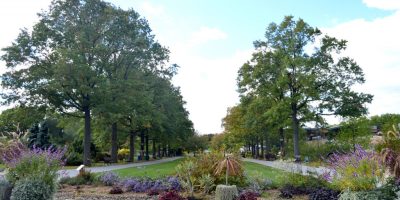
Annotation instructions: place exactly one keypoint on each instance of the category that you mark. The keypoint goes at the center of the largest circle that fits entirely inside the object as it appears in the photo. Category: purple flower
(109, 178)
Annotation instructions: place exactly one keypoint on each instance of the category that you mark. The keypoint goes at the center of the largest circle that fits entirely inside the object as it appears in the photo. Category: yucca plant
(231, 165)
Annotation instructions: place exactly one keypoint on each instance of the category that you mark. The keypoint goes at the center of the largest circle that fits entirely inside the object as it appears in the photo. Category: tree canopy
(299, 84)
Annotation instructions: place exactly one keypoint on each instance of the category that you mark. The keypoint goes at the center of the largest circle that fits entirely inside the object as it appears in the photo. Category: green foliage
(355, 131)
(298, 180)
(123, 153)
(318, 150)
(383, 193)
(35, 166)
(385, 122)
(83, 178)
(206, 183)
(32, 189)
(185, 174)
(230, 166)
(297, 84)
(39, 136)
(5, 189)
(225, 192)
(20, 118)
(258, 182)
(359, 170)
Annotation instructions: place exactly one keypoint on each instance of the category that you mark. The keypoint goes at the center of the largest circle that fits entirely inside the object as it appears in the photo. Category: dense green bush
(386, 192)
(5, 189)
(74, 159)
(32, 189)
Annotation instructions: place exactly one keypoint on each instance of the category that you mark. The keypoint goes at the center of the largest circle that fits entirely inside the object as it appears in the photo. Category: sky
(211, 39)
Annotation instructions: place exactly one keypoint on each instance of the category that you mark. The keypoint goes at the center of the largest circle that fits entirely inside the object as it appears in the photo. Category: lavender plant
(149, 185)
(359, 170)
(109, 178)
(35, 163)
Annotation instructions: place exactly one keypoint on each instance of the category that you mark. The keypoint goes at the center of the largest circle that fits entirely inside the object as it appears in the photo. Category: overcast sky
(211, 39)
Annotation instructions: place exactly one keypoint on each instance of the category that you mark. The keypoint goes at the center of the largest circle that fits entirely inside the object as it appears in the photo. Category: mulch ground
(88, 192)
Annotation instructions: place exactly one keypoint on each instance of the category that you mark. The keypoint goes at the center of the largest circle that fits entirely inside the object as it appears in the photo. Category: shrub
(170, 195)
(123, 154)
(32, 189)
(258, 182)
(185, 173)
(36, 163)
(129, 184)
(109, 178)
(357, 171)
(146, 184)
(206, 183)
(324, 194)
(116, 190)
(74, 159)
(153, 192)
(299, 180)
(248, 195)
(173, 183)
(83, 178)
(288, 191)
(229, 166)
(367, 195)
(5, 189)
(86, 177)
(225, 192)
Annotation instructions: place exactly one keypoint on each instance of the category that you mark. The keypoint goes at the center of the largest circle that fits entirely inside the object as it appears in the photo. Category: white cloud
(206, 34)
(383, 4)
(375, 46)
(208, 86)
(152, 10)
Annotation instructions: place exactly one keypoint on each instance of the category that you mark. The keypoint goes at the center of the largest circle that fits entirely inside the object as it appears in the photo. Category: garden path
(74, 172)
(291, 167)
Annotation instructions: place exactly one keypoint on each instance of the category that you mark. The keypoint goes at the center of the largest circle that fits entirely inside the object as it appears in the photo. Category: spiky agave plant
(231, 165)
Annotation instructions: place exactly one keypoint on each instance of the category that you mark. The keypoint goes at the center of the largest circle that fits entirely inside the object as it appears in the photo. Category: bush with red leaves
(248, 195)
(171, 195)
(116, 190)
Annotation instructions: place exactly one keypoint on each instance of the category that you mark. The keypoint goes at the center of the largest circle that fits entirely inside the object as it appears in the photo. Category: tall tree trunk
(282, 140)
(87, 139)
(147, 146)
(114, 143)
(141, 145)
(295, 124)
(257, 148)
(159, 150)
(262, 149)
(154, 149)
(132, 138)
(164, 151)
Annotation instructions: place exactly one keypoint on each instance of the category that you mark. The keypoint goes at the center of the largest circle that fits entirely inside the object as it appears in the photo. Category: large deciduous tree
(303, 76)
(77, 51)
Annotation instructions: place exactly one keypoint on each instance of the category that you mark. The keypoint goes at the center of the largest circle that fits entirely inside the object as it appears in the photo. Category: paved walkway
(291, 167)
(74, 172)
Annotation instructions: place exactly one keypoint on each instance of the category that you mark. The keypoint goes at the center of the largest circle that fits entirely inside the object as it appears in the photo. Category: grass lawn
(152, 171)
(277, 176)
(168, 169)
